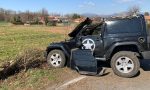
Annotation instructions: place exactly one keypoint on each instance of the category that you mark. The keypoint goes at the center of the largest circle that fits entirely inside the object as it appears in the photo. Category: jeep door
(92, 39)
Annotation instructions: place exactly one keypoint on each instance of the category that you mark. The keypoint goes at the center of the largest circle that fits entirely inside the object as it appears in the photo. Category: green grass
(3, 23)
(15, 39)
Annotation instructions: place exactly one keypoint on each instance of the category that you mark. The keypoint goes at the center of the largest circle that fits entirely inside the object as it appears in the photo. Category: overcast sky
(76, 6)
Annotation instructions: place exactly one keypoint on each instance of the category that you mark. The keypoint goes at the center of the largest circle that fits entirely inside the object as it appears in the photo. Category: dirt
(62, 78)
(113, 82)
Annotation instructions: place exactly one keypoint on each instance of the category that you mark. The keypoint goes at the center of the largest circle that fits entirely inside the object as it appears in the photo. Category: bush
(148, 25)
(17, 21)
(52, 23)
(148, 29)
(30, 58)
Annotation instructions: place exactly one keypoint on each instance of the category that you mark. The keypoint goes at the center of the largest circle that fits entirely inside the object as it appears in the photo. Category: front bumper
(146, 54)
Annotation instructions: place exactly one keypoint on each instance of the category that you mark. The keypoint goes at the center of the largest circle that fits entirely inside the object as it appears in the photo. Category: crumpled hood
(79, 27)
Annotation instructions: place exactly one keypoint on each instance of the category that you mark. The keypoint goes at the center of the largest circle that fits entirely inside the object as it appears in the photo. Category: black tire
(135, 62)
(62, 56)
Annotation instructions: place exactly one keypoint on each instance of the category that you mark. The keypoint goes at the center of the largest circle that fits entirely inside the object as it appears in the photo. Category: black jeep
(122, 41)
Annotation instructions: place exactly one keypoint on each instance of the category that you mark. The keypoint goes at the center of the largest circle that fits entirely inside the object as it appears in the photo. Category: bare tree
(134, 10)
(28, 16)
(2, 14)
(44, 14)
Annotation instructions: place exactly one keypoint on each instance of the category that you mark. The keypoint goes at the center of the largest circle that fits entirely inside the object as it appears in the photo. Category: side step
(100, 59)
(87, 73)
(99, 72)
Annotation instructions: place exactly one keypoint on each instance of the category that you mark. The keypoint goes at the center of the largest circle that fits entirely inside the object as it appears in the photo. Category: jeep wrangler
(121, 41)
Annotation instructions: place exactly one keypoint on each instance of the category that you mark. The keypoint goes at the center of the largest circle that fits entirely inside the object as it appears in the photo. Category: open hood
(79, 27)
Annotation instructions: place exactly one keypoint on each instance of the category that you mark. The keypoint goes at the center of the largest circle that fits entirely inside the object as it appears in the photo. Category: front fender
(59, 46)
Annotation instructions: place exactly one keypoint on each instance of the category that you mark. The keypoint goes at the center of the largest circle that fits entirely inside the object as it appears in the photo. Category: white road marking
(71, 82)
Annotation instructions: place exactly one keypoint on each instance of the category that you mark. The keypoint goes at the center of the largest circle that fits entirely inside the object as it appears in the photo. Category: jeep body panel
(146, 54)
(83, 61)
(124, 32)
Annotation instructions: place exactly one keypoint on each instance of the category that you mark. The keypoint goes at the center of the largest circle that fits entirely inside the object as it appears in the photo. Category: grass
(16, 39)
(3, 23)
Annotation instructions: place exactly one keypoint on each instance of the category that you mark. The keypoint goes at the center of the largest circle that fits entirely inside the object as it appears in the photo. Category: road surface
(112, 82)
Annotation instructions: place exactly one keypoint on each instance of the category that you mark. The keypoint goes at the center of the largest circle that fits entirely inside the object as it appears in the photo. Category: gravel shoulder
(113, 82)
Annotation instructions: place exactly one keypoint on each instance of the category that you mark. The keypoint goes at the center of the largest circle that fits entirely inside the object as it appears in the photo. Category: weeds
(31, 58)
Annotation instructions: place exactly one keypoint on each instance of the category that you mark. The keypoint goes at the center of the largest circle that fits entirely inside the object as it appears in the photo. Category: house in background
(50, 18)
(147, 18)
(79, 20)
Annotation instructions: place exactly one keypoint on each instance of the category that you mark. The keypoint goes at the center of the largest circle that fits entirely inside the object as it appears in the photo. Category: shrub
(148, 25)
(52, 23)
(31, 58)
(17, 20)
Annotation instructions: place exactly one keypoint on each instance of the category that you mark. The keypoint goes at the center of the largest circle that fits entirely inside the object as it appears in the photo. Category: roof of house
(79, 19)
(147, 17)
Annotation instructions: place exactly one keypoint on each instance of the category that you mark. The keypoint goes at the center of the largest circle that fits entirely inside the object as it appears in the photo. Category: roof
(147, 17)
(123, 18)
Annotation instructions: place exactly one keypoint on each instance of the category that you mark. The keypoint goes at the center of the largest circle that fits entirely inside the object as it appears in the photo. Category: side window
(124, 26)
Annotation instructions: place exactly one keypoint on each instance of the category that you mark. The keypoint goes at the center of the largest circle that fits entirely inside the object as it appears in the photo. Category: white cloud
(138, 2)
(87, 4)
(127, 0)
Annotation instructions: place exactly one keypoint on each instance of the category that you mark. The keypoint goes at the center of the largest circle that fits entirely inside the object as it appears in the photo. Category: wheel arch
(125, 46)
(58, 47)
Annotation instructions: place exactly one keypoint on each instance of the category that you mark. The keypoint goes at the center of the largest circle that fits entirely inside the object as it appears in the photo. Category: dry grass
(29, 71)
(31, 58)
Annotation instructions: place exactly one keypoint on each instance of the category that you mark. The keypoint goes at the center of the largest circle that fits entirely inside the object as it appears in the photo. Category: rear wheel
(125, 64)
(56, 59)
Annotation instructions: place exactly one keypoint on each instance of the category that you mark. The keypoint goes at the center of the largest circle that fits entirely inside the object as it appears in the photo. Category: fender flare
(58, 46)
(111, 49)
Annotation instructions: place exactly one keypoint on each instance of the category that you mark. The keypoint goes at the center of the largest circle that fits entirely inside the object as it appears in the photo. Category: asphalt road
(113, 82)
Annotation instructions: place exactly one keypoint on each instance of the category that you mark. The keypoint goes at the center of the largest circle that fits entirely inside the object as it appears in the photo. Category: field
(15, 39)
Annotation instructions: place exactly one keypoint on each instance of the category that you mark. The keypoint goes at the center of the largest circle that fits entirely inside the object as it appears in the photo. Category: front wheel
(125, 64)
(56, 59)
